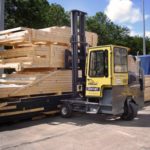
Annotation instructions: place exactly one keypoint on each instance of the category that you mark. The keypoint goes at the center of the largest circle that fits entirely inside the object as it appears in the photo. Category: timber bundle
(36, 57)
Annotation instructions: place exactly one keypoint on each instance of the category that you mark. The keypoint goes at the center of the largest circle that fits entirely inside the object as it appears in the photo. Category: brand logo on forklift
(92, 89)
(91, 82)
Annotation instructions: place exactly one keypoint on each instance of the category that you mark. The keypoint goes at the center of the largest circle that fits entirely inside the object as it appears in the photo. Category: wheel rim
(64, 111)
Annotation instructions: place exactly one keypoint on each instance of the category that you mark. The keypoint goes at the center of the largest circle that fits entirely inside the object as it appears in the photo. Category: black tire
(130, 111)
(135, 109)
(66, 110)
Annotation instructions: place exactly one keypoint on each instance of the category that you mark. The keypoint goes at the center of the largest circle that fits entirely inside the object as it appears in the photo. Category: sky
(127, 13)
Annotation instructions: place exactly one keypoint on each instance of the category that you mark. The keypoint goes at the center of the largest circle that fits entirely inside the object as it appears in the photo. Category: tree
(108, 32)
(34, 14)
(26, 13)
(58, 16)
(148, 45)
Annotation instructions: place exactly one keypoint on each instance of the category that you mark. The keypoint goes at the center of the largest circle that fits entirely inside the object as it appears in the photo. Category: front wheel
(66, 110)
(130, 110)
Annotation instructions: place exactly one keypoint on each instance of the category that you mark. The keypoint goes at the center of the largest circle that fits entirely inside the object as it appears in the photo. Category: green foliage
(58, 16)
(34, 14)
(26, 13)
(148, 45)
(135, 43)
(108, 32)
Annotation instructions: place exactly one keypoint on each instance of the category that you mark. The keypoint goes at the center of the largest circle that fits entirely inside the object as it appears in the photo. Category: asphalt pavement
(81, 132)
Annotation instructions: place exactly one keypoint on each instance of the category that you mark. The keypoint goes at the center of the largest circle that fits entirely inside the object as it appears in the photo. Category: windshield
(120, 60)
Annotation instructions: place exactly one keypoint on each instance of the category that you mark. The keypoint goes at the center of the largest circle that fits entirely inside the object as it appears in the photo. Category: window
(120, 60)
(98, 61)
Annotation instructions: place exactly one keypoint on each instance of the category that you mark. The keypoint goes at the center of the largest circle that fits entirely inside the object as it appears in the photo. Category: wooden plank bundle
(35, 83)
(91, 37)
(18, 87)
(133, 66)
(57, 35)
(147, 88)
(38, 56)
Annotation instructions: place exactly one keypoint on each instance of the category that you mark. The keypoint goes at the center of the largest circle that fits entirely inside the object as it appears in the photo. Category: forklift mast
(78, 44)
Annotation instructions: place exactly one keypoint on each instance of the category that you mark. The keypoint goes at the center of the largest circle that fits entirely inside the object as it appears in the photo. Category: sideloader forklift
(105, 86)
(101, 83)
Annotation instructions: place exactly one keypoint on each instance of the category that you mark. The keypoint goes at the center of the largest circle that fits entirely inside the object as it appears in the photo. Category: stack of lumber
(147, 88)
(17, 90)
(35, 83)
(37, 56)
(57, 35)
(42, 48)
(91, 37)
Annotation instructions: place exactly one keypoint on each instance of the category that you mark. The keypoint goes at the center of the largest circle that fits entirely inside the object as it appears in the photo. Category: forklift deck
(84, 106)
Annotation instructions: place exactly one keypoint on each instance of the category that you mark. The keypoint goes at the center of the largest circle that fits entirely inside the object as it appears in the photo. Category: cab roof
(109, 46)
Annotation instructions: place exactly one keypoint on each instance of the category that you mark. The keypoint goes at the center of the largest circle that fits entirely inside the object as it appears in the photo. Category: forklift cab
(108, 90)
(107, 81)
(106, 67)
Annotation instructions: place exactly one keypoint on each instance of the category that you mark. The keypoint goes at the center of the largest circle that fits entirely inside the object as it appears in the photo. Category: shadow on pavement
(142, 120)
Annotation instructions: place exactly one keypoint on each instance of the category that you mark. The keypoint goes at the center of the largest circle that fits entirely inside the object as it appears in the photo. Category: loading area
(83, 131)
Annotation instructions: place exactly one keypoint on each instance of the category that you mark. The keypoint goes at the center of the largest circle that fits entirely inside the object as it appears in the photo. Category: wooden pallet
(32, 83)
(26, 37)
(41, 56)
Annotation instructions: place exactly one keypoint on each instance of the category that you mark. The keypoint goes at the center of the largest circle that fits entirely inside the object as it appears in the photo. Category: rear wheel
(66, 110)
(130, 110)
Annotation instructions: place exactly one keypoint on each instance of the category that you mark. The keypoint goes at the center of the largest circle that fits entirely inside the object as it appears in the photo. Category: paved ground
(82, 132)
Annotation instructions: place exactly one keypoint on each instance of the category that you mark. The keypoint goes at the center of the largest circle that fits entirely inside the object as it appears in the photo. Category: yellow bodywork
(96, 85)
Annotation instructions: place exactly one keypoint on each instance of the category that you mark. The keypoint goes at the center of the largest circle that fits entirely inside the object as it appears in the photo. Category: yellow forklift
(105, 86)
